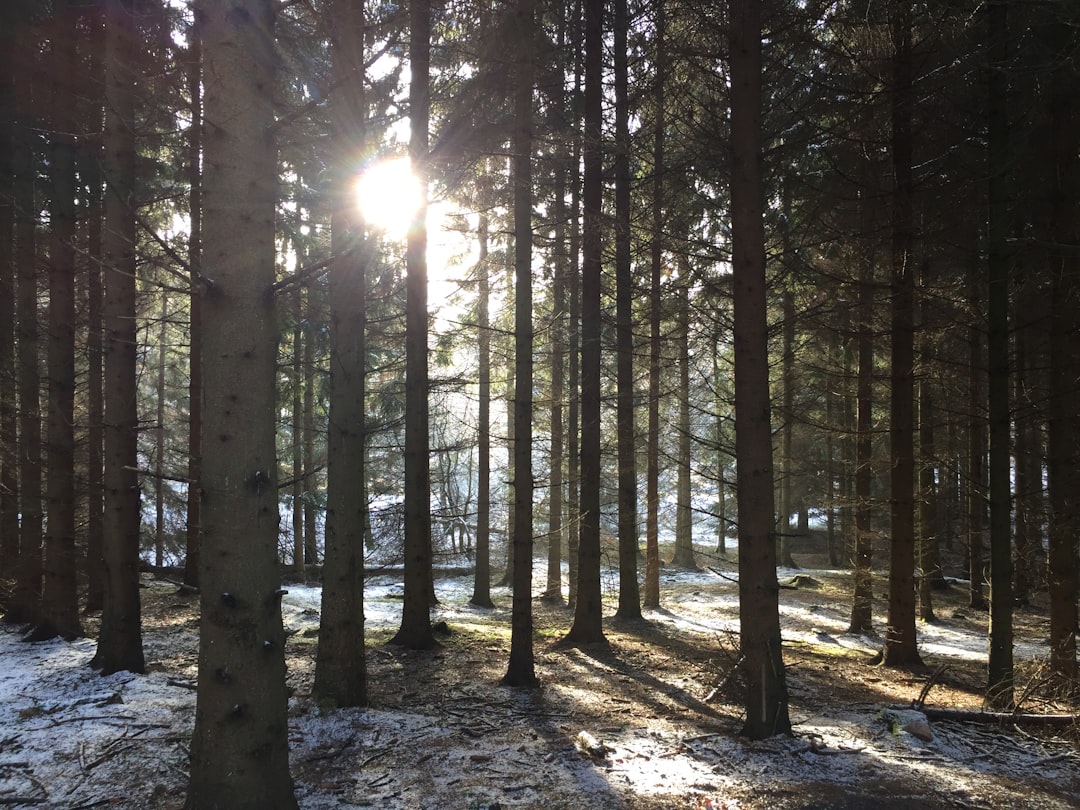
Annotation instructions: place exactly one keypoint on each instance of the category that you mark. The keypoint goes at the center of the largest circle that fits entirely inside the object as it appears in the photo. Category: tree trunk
(862, 603)
(9, 435)
(766, 702)
(59, 598)
(629, 593)
(787, 417)
(683, 556)
(25, 600)
(239, 751)
(521, 668)
(120, 640)
(159, 435)
(1063, 438)
(415, 631)
(297, 422)
(481, 596)
(901, 647)
(195, 305)
(340, 664)
(1000, 660)
(976, 474)
(656, 262)
(588, 609)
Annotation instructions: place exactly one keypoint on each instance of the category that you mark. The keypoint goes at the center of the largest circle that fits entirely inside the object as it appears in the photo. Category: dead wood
(1001, 718)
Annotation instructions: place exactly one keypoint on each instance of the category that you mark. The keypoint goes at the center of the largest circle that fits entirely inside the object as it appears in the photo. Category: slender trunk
(588, 608)
(415, 631)
(900, 640)
(656, 262)
(59, 598)
(521, 668)
(766, 702)
(629, 593)
(683, 556)
(481, 596)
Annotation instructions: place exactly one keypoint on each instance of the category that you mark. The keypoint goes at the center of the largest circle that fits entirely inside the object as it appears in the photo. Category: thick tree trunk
(683, 556)
(59, 597)
(901, 647)
(120, 640)
(239, 751)
(766, 702)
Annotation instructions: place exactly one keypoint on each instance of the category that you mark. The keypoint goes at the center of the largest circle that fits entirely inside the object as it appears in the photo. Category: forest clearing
(630, 725)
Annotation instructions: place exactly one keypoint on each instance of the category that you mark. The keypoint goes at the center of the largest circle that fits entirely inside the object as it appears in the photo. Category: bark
(239, 751)
(629, 593)
(656, 259)
(766, 702)
(481, 596)
(9, 456)
(1063, 438)
(901, 648)
(59, 614)
(588, 609)
(787, 421)
(24, 604)
(340, 664)
(297, 417)
(1000, 659)
(521, 668)
(195, 305)
(120, 640)
(862, 603)
(415, 631)
(683, 556)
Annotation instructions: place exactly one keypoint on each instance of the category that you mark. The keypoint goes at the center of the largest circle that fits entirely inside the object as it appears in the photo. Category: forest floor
(637, 723)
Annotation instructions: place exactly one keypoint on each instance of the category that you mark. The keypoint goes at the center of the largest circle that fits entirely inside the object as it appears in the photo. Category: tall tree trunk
(1000, 660)
(629, 593)
(862, 603)
(976, 473)
(656, 267)
(766, 701)
(683, 556)
(120, 640)
(26, 597)
(297, 422)
(340, 665)
(588, 609)
(240, 751)
(521, 668)
(481, 596)
(1063, 438)
(9, 434)
(159, 435)
(311, 526)
(415, 631)
(720, 450)
(195, 305)
(901, 646)
(787, 418)
(90, 169)
(59, 598)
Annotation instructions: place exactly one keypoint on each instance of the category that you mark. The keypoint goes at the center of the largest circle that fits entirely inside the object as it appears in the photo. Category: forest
(711, 363)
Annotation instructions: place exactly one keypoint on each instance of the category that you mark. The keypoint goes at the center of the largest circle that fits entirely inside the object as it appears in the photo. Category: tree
(239, 752)
(521, 669)
(59, 615)
(629, 594)
(900, 640)
(759, 619)
(415, 631)
(120, 640)
(1000, 665)
(9, 457)
(588, 606)
(481, 596)
(683, 556)
(340, 666)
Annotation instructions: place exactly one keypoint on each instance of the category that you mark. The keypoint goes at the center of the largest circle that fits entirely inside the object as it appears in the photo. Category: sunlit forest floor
(650, 720)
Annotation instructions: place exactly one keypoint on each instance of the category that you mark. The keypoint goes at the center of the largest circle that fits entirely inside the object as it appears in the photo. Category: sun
(388, 195)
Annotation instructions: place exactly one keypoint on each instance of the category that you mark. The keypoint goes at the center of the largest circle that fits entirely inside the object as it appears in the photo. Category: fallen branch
(1004, 718)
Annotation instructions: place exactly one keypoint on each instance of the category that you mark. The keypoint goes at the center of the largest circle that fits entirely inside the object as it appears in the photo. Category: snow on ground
(72, 739)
